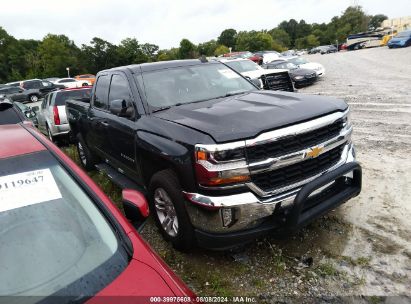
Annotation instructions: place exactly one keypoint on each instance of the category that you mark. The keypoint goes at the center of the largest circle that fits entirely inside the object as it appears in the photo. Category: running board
(118, 178)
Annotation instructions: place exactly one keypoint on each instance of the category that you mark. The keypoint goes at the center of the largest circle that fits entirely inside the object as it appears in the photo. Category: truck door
(98, 116)
(122, 126)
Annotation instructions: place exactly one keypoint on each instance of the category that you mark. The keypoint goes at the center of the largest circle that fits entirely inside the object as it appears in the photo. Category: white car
(303, 63)
(275, 79)
(72, 83)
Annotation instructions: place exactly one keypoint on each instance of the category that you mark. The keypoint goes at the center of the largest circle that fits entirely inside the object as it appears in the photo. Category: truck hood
(247, 115)
(258, 73)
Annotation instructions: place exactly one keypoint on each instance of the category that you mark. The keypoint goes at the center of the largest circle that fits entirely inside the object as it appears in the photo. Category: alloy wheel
(166, 212)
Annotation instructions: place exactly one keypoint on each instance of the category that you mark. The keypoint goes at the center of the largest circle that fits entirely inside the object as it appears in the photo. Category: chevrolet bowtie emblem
(314, 152)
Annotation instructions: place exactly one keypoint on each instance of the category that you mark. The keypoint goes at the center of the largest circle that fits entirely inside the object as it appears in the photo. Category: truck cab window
(120, 90)
(101, 94)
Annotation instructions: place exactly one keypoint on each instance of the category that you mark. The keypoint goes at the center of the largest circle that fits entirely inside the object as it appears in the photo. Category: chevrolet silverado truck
(222, 161)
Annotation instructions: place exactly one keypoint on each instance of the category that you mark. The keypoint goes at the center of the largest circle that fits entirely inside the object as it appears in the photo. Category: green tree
(150, 51)
(376, 21)
(187, 49)
(129, 52)
(98, 56)
(280, 37)
(221, 50)
(254, 41)
(228, 38)
(56, 53)
(207, 48)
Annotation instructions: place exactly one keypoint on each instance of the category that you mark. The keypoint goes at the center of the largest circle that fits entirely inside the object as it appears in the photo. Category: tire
(33, 98)
(85, 84)
(167, 201)
(87, 159)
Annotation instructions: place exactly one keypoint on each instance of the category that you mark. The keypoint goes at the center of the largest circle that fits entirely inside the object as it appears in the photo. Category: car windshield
(298, 60)
(182, 85)
(63, 96)
(243, 65)
(58, 242)
(404, 35)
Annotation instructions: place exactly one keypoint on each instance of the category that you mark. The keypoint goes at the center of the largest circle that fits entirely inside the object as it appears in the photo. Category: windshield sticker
(229, 74)
(28, 188)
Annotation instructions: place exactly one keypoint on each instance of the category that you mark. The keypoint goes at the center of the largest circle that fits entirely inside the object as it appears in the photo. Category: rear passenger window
(101, 94)
(119, 89)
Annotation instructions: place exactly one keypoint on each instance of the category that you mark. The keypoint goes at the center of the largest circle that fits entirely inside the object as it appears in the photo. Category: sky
(166, 22)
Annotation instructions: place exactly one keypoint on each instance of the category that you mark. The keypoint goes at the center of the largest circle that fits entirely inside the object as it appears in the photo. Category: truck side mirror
(122, 108)
(135, 205)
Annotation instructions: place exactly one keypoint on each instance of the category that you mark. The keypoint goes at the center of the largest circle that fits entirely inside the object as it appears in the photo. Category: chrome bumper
(249, 210)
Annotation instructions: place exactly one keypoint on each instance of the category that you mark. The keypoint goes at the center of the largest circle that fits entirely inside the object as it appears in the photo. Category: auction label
(28, 188)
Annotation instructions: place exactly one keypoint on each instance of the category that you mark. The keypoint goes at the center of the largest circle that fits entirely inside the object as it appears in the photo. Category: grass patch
(327, 269)
(100, 178)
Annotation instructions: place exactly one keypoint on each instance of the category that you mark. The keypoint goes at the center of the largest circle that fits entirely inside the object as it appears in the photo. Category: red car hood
(146, 276)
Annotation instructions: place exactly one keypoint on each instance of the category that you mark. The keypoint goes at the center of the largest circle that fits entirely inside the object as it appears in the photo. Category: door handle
(104, 123)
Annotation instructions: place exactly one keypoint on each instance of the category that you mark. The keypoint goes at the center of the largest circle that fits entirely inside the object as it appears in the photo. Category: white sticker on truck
(28, 188)
(228, 73)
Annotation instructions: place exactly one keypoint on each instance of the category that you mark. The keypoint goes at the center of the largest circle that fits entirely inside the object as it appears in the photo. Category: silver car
(52, 119)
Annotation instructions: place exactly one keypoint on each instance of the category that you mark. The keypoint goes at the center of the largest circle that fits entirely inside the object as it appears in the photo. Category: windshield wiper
(234, 93)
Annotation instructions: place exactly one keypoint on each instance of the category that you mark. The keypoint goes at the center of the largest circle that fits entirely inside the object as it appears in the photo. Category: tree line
(28, 58)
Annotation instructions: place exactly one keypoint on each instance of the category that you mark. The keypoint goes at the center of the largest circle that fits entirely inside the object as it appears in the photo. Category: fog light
(227, 215)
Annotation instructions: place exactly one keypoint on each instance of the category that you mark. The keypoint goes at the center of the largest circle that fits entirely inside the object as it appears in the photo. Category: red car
(63, 240)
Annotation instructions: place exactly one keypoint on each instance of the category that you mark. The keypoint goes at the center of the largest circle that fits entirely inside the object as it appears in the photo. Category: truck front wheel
(167, 207)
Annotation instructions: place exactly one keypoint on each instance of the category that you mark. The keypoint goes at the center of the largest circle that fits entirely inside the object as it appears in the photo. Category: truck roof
(160, 65)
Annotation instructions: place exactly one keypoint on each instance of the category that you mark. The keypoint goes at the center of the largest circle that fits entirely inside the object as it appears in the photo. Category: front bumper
(253, 216)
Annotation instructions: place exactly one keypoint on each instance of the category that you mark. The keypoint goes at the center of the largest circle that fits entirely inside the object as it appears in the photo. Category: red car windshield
(58, 241)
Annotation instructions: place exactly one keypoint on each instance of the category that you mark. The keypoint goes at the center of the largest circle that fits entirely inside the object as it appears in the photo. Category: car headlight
(298, 77)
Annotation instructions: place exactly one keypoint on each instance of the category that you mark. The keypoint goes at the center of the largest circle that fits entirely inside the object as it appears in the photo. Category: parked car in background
(11, 114)
(52, 79)
(328, 49)
(90, 79)
(244, 54)
(52, 119)
(13, 93)
(222, 161)
(301, 77)
(72, 83)
(66, 240)
(28, 112)
(268, 56)
(264, 78)
(289, 53)
(303, 63)
(28, 90)
(402, 39)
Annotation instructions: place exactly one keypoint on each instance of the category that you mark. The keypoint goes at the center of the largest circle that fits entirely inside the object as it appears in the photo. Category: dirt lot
(361, 249)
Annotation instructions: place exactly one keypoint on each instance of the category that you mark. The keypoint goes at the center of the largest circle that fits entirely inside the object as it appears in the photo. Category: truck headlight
(218, 165)
(347, 119)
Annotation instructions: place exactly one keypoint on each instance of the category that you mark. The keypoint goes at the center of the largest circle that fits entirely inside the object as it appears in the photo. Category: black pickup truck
(222, 162)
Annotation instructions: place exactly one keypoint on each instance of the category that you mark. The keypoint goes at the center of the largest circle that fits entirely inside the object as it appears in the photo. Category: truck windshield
(58, 242)
(182, 85)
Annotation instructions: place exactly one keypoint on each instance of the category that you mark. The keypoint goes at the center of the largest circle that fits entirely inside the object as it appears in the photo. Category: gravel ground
(361, 249)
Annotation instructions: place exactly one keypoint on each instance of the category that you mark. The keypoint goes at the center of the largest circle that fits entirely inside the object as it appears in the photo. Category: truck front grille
(277, 82)
(297, 172)
(293, 143)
